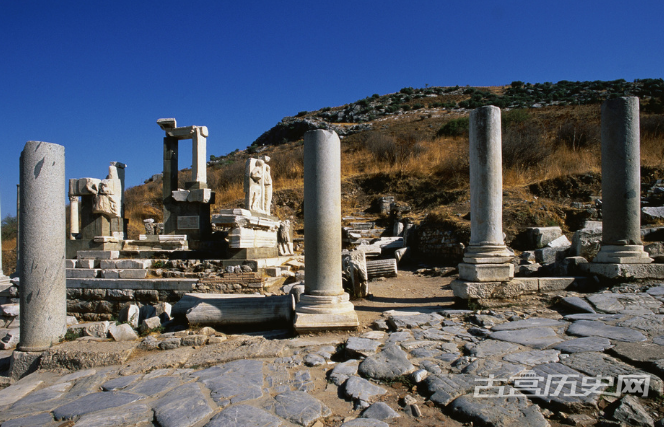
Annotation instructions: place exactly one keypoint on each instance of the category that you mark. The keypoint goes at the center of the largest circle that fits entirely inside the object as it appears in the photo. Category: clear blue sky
(95, 76)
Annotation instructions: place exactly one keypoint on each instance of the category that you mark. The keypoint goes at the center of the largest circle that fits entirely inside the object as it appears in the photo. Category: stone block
(110, 274)
(547, 284)
(486, 290)
(549, 255)
(560, 242)
(82, 273)
(132, 274)
(486, 272)
(150, 323)
(122, 332)
(201, 195)
(71, 263)
(586, 242)
(273, 271)
(180, 195)
(130, 314)
(86, 263)
(98, 255)
(23, 363)
(624, 271)
(540, 236)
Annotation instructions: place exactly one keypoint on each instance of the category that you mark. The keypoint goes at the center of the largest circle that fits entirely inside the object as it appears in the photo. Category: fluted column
(324, 304)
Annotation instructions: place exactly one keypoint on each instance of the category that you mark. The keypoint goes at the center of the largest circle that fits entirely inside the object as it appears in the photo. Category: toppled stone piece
(361, 347)
(122, 332)
(362, 391)
(380, 411)
(343, 371)
(390, 363)
(632, 413)
(150, 323)
(312, 359)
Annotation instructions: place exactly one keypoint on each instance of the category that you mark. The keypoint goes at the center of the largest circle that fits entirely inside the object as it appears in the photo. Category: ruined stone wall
(437, 245)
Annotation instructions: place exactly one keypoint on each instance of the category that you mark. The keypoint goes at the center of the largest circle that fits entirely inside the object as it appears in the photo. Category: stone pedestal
(486, 259)
(324, 304)
(42, 250)
(621, 184)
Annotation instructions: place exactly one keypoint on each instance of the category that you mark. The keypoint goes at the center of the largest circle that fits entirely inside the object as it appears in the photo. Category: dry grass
(9, 256)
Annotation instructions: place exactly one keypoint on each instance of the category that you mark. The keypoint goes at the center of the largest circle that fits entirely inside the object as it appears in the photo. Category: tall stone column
(43, 298)
(199, 155)
(324, 304)
(3, 279)
(486, 259)
(621, 184)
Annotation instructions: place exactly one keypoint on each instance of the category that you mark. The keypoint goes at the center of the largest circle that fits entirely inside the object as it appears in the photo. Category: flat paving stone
(533, 322)
(578, 345)
(592, 328)
(154, 386)
(94, 402)
(597, 316)
(629, 411)
(498, 411)
(380, 411)
(396, 337)
(312, 359)
(432, 334)
(487, 367)
(577, 304)
(234, 382)
(39, 420)
(426, 352)
(390, 363)
(659, 340)
(535, 357)
(182, 407)
(445, 388)
(534, 337)
(624, 303)
(638, 352)
(362, 390)
(300, 408)
(244, 416)
(136, 414)
(44, 395)
(595, 364)
(365, 422)
(652, 324)
(119, 383)
(343, 371)
(491, 347)
(656, 291)
(559, 386)
(397, 322)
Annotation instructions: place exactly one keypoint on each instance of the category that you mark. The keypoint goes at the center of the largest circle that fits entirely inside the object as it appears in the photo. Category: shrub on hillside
(652, 126)
(578, 134)
(454, 128)
(524, 147)
(382, 147)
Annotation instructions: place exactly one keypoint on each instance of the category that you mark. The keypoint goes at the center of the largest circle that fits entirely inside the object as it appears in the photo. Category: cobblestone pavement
(594, 357)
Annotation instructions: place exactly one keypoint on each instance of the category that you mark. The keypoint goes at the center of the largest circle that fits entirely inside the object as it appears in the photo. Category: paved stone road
(328, 380)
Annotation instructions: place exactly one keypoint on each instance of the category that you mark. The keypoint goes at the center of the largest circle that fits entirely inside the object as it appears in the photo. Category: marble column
(199, 156)
(43, 299)
(4, 280)
(486, 259)
(621, 184)
(324, 304)
(73, 217)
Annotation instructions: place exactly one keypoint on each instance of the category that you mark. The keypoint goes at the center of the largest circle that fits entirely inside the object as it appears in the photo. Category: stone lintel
(187, 132)
(624, 271)
(486, 272)
(509, 289)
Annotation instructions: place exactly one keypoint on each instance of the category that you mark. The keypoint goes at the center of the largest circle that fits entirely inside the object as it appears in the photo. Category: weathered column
(324, 304)
(3, 278)
(486, 259)
(73, 217)
(198, 155)
(43, 299)
(621, 184)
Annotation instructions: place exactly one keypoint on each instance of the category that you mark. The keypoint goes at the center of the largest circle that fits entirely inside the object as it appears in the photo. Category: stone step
(148, 284)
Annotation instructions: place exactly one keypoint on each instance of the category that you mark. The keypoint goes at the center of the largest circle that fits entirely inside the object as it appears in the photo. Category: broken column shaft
(43, 299)
(486, 259)
(324, 304)
(621, 184)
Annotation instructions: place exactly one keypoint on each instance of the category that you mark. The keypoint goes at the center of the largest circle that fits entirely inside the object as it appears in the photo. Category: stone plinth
(621, 184)
(42, 248)
(486, 259)
(324, 304)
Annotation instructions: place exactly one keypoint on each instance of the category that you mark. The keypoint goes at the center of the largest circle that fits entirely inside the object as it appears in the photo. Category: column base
(321, 313)
(486, 272)
(487, 254)
(622, 254)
